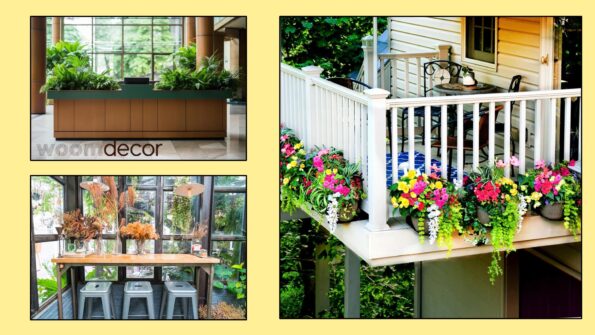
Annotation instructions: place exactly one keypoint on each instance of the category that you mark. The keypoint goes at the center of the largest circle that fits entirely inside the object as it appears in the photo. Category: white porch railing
(325, 114)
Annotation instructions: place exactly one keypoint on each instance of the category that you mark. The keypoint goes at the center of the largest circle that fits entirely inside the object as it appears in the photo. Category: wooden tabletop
(148, 259)
(460, 89)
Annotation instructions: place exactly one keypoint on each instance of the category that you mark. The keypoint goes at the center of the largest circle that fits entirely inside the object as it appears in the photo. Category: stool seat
(96, 287)
(178, 287)
(138, 287)
(96, 290)
(173, 290)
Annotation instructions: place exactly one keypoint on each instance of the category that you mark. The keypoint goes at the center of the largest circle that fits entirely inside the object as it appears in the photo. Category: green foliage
(232, 278)
(504, 228)
(209, 76)
(185, 57)
(71, 54)
(333, 43)
(291, 299)
(47, 287)
(109, 273)
(181, 213)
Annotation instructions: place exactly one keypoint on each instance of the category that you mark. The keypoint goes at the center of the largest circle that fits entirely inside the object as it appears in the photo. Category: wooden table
(69, 263)
(460, 89)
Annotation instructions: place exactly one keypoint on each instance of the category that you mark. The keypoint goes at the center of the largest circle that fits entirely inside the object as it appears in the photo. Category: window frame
(476, 62)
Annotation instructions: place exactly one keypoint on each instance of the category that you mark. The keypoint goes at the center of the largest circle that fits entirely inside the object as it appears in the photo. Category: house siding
(518, 53)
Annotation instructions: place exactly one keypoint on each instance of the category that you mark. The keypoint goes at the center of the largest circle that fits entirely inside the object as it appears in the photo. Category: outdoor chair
(435, 72)
(178, 289)
(96, 290)
(138, 290)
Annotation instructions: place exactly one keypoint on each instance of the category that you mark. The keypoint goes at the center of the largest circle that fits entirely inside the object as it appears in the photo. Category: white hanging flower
(458, 184)
(332, 212)
(522, 208)
(433, 221)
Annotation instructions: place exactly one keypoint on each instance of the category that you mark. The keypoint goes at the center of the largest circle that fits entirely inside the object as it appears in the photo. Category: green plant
(209, 76)
(70, 54)
(292, 161)
(47, 287)
(233, 279)
(291, 299)
(181, 210)
(185, 57)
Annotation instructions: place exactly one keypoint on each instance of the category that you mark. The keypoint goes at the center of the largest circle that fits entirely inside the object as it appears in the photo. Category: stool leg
(150, 307)
(125, 307)
(185, 308)
(194, 310)
(107, 311)
(171, 302)
(81, 306)
(111, 301)
(90, 308)
(163, 297)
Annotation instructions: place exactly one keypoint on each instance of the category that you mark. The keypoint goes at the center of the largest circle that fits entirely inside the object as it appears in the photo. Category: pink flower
(419, 187)
(514, 161)
(572, 163)
(288, 150)
(500, 164)
(318, 164)
(284, 138)
(343, 190)
(540, 164)
(564, 171)
(323, 152)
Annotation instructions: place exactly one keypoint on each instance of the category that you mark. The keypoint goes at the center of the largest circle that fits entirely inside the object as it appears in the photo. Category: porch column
(369, 71)
(322, 281)
(204, 38)
(444, 52)
(189, 30)
(311, 134)
(218, 45)
(352, 284)
(56, 29)
(37, 66)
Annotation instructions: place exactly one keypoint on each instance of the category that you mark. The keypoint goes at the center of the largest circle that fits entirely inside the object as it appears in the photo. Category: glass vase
(140, 247)
(99, 246)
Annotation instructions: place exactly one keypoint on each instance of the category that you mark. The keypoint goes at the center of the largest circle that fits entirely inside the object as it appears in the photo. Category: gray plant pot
(483, 216)
(553, 211)
(348, 212)
(413, 222)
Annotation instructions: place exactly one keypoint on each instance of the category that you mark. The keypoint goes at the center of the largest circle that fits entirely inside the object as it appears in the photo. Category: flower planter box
(139, 111)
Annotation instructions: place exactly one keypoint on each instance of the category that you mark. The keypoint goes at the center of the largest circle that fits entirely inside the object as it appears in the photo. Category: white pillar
(377, 191)
(352, 284)
(310, 130)
(369, 70)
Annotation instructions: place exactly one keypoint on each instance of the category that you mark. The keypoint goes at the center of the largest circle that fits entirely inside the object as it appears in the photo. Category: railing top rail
(293, 71)
(482, 98)
(429, 54)
(340, 90)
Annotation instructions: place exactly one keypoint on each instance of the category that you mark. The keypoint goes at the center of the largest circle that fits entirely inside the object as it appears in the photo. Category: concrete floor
(45, 147)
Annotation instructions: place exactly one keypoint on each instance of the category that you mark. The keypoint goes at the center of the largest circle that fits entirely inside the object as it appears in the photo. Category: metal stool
(138, 289)
(92, 290)
(178, 289)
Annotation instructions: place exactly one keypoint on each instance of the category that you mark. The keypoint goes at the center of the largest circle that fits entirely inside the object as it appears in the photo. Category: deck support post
(312, 71)
(377, 192)
(352, 284)
(369, 70)
(322, 281)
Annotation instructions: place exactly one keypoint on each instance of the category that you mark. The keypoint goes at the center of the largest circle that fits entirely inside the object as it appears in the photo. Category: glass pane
(177, 272)
(137, 20)
(108, 38)
(48, 32)
(47, 201)
(229, 214)
(77, 20)
(137, 66)
(102, 272)
(170, 181)
(137, 38)
(162, 62)
(108, 62)
(487, 40)
(144, 208)
(141, 180)
(78, 33)
(140, 271)
(234, 181)
(108, 20)
(180, 226)
(167, 39)
(227, 276)
(477, 38)
(46, 270)
(167, 20)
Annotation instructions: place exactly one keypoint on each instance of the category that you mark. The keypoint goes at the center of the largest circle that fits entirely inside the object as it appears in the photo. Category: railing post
(312, 71)
(377, 191)
(369, 70)
(444, 51)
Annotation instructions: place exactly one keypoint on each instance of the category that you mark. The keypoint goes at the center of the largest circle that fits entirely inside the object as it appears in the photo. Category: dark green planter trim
(138, 92)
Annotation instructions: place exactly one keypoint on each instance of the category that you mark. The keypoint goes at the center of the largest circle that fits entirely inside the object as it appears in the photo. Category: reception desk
(139, 111)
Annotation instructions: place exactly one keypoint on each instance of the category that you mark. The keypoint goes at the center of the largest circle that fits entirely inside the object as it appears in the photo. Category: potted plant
(78, 230)
(555, 191)
(500, 208)
(428, 198)
(293, 166)
(468, 76)
(140, 232)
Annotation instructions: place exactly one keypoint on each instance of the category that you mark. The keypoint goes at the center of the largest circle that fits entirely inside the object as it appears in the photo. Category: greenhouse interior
(180, 81)
(138, 247)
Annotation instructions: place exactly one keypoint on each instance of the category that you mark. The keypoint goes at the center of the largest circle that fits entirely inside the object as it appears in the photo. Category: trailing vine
(504, 228)
(449, 223)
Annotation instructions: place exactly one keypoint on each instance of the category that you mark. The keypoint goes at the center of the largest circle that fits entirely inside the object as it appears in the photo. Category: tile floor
(45, 147)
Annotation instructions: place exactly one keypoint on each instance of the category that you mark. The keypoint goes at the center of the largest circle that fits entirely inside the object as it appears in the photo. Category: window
(480, 38)
(127, 46)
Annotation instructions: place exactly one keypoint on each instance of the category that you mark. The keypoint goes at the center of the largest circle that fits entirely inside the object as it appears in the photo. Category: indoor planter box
(139, 111)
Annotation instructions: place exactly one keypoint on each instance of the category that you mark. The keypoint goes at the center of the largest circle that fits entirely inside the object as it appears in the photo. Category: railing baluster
(407, 78)
(428, 138)
(476, 136)
(492, 132)
(537, 132)
(394, 142)
(354, 116)
(411, 138)
(551, 131)
(419, 84)
(460, 138)
(382, 73)
(443, 141)
(507, 121)
(522, 135)
(567, 105)
(334, 120)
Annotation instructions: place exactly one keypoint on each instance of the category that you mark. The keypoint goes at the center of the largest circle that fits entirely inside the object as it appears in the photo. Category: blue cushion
(419, 163)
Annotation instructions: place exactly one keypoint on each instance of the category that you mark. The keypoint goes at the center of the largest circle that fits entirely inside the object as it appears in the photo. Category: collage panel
(138, 247)
(430, 167)
(138, 88)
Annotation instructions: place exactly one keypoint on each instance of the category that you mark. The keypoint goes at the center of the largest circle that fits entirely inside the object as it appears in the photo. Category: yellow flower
(302, 166)
(285, 181)
(535, 196)
(294, 157)
(335, 171)
(412, 183)
(328, 171)
(523, 188)
(439, 184)
(514, 192)
(507, 197)
(289, 166)
(403, 203)
(413, 195)
(297, 146)
(403, 187)
(302, 152)
(393, 201)
(293, 164)
(411, 174)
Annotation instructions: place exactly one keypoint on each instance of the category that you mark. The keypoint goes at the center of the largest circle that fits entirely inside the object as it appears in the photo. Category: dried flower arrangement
(77, 226)
(139, 231)
(223, 311)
